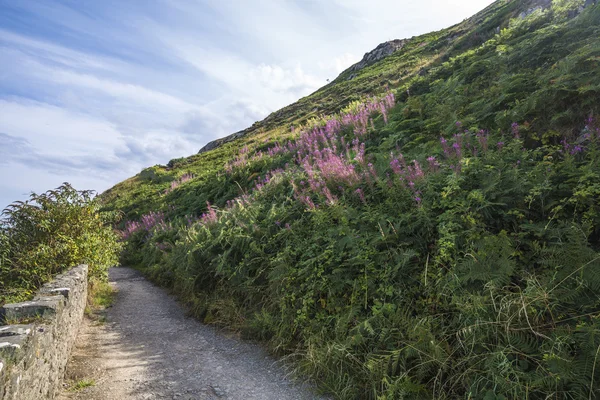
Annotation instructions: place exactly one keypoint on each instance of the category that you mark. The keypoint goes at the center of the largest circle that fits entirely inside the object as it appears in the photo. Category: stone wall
(36, 337)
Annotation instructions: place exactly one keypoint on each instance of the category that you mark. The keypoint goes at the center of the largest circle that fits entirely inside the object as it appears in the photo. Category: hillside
(427, 225)
(497, 78)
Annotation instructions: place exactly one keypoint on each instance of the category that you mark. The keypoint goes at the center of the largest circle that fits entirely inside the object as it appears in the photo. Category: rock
(218, 391)
(41, 307)
(380, 52)
(529, 11)
(219, 142)
(36, 354)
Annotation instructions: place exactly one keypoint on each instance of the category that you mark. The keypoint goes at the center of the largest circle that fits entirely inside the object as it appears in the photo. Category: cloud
(56, 129)
(118, 90)
(339, 64)
(12, 147)
(285, 80)
(56, 54)
(211, 124)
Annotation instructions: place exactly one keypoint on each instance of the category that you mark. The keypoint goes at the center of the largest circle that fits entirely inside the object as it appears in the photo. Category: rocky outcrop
(380, 52)
(219, 142)
(37, 337)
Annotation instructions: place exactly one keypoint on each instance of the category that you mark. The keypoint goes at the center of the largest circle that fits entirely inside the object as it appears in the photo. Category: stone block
(63, 291)
(42, 307)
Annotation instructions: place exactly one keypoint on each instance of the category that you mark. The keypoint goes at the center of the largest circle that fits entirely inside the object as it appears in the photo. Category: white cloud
(56, 53)
(279, 79)
(119, 90)
(339, 64)
(54, 130)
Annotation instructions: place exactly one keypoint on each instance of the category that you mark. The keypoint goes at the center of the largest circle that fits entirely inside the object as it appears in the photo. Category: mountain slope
(497, 79)
(425, 226)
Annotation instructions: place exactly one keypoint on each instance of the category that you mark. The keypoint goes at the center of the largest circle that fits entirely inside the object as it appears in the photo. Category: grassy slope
(479, 282)
(142, 193)
(520, 75)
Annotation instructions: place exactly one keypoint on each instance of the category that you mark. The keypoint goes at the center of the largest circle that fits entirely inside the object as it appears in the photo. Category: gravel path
(149, 350)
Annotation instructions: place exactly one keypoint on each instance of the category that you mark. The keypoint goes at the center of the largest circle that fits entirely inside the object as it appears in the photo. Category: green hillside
(427, 226)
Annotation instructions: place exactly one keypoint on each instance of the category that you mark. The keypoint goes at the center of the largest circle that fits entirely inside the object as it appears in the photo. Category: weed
(82, 384)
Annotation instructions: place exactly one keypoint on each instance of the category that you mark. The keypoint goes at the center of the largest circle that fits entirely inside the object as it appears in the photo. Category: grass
(82, 384)
(101, 295)
(36, 319)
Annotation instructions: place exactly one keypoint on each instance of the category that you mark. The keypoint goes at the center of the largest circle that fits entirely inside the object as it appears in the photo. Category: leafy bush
(49, 233)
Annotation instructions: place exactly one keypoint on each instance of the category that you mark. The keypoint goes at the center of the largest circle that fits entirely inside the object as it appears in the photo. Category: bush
(49, 233)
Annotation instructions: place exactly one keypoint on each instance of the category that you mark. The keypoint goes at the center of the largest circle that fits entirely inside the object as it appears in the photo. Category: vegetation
(82, 384)
(435, 239)
(49, 233)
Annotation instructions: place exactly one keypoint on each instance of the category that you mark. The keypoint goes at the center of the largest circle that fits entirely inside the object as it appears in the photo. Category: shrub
(49, 233)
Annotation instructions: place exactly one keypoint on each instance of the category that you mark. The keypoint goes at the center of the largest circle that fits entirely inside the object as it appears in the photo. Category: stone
(43, 307)
(33, 356)
(9, 348)
(15, 330)
(380, 52)
(219, 142)
(218, 391)
(529, 11)
(62, 291)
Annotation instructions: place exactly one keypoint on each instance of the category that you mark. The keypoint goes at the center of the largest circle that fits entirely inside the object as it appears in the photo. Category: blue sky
(91, 92)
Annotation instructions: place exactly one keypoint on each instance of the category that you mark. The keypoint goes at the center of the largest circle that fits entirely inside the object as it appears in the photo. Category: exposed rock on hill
(380, 52)
(219, 142)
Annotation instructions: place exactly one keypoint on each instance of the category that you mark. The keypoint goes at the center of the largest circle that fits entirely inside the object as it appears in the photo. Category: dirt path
(148, 349)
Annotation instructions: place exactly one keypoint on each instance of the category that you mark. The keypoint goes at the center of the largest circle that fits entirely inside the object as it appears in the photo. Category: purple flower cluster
(261, 182)
(335, 168)
(239, 161)
(324, 155)
(152, 220)
(324, 133)
(409, 174)
(210, 216)
(466, 142)
(515, 130)
(182, 179)
(434, 165)
(589, 138)
(406, 173)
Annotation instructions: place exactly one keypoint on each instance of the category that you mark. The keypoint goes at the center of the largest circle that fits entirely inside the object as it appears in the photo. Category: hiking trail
(148, 349)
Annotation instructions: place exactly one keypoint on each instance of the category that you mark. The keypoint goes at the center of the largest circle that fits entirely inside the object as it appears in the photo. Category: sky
(92, 92)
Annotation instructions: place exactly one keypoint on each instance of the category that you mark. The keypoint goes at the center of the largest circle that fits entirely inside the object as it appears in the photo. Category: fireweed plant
(471, 272)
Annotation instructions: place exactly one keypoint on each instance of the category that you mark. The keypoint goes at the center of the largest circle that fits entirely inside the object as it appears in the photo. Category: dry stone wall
(36, 337)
